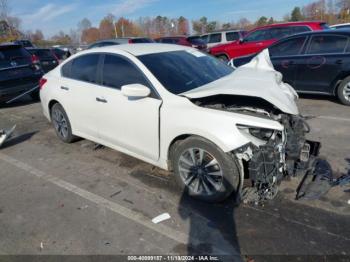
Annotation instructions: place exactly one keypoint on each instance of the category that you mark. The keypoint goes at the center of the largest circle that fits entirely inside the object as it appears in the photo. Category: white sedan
(182, 110)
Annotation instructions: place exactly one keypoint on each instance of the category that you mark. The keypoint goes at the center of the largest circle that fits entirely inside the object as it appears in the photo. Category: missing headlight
(260, 133)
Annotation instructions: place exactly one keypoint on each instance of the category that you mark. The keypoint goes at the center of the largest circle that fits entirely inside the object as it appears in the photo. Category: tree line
(330, 11)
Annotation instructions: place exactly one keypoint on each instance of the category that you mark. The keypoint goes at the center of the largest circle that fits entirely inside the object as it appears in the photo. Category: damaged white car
(182, 110)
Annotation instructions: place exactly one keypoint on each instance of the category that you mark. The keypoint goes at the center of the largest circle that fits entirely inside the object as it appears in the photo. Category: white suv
(182, 110)
(222, 37)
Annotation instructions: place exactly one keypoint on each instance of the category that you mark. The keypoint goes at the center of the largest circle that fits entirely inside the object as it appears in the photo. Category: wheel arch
(182, 137)
(222, 54)
(51, 104)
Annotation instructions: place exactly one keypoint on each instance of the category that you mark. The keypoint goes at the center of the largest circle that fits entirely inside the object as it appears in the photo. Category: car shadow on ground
(23, 101)
(218, 217)
(18, 139)
(332, 99)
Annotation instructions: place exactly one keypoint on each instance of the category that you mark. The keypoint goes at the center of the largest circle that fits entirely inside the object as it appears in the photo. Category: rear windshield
(10, 54)
(24, 43)
(142, 40)
(13, 53)
(42, 52)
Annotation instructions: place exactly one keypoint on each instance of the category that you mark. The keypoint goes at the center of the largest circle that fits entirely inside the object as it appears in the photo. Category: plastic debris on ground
(161, 218)
(319, 180)
(5, 134)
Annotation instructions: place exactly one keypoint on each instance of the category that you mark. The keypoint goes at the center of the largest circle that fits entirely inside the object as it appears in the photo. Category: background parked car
(194, 41)
(47, 58)
(120, 41)
(314, 62)
(223, 37)
(341, 26)
(262, 37)
(61, 54)
(19, 72)
(24, 43)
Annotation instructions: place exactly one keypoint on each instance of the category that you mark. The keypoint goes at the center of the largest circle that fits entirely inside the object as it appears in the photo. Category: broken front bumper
(286, 154)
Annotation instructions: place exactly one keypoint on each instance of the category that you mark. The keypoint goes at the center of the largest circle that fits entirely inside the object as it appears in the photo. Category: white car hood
(256, 79)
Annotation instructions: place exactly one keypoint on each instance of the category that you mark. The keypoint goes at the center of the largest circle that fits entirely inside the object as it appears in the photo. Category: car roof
(323, 32)
(290, 23)
(172, 37)
(140, 49)
(224, 31)
(344, 24)
(8, 44)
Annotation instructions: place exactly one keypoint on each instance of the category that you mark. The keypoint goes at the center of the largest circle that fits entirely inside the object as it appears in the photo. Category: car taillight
(35, 59)
(55, 56)
(130, 41)
(42, 82)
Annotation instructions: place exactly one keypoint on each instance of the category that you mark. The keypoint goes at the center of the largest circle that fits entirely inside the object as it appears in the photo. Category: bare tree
(4, 10)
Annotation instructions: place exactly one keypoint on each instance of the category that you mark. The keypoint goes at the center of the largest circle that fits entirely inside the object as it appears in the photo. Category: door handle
(64, 88)
(101, 100)
(339, 61)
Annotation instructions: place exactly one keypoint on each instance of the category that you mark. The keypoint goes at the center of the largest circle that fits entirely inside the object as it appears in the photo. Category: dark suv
(19, 72)
(314, 62)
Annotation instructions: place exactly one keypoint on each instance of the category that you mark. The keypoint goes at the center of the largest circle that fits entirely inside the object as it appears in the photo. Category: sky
(52, 16)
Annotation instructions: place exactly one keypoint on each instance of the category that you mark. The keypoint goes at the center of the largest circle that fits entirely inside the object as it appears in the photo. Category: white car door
(128, 123)
(78, 88)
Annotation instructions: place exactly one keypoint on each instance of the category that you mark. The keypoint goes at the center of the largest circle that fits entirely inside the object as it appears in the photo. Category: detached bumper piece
(318, 180)
(5, 134)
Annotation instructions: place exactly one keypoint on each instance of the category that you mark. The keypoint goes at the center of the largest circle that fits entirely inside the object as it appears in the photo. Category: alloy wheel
(346, 92)
(60, 123)
(200, 171)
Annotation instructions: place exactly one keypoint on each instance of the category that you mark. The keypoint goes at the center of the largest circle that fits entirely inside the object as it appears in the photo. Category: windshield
(181, 71)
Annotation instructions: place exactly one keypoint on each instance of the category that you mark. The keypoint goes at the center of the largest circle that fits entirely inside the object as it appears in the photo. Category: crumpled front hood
(256, 79)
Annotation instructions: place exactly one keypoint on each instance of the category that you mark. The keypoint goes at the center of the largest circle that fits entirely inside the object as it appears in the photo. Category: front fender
(219, 127)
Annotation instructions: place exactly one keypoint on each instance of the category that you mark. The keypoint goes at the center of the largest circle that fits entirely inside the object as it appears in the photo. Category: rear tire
(61, 124)
(203, 170)
(343, 91)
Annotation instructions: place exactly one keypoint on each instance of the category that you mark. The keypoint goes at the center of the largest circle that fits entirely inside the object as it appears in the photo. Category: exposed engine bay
(276, 155)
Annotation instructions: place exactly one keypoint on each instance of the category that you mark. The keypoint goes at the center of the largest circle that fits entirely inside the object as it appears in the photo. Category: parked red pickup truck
(262, 37)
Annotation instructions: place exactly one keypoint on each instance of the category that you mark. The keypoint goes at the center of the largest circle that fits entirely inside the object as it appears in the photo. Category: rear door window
(280, 32)
(287, 48)
(84, 68)
(205, 38)
(214, 38)
(118, 71)
(300, 29)
(258, 35)
(327, 44)
(232, 36)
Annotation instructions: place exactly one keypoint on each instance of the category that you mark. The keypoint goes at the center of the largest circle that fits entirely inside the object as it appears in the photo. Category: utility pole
(115, 28)
(123, 28)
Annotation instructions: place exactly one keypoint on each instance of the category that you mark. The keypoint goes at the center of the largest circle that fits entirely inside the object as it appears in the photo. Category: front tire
(203, 170)
(61, 124)
(343, 91)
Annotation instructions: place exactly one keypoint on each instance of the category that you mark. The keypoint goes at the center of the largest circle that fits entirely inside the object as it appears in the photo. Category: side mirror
(241, 40)
(135, 90)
